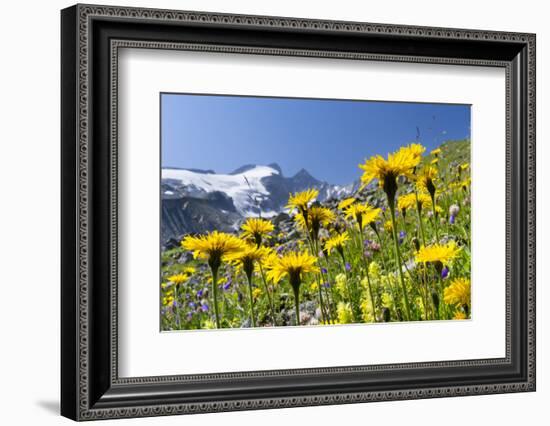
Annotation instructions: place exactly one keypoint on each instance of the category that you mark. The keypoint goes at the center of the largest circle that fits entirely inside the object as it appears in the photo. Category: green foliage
(360, 284)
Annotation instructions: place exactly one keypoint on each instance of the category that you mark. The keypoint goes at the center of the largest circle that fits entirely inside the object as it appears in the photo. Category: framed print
(263, 212)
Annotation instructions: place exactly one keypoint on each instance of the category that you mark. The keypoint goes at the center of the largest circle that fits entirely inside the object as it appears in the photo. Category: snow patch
(243, 188)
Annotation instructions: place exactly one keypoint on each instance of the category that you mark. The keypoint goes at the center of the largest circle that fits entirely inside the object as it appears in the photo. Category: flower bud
(416, 243)
(454, 209)
(386, 314)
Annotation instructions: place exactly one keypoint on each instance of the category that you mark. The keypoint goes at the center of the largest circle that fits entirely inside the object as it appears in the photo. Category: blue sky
(328, 138)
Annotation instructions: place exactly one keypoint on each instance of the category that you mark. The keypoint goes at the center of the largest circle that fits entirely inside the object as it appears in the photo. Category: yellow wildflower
(363, 214)
(387, 300)
(292, 264)
(459, 315)
(344, 204)
(400, 163)
(178, 278)
(340, 283)
(366, 310)
(256, 229)
(314, 218)
(374, 269)
(301, 200)
(247, 257)
(167, 300)
(208, 324)
(256, 293)
(409, 201)
(458, 292)
(420, 304)
(425, 180)
(213, 247)
(438, 253)
(344, 313)
(436, 151)
(336, 242)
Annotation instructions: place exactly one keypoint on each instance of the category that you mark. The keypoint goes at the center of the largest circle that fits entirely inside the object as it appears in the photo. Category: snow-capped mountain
(202, 200)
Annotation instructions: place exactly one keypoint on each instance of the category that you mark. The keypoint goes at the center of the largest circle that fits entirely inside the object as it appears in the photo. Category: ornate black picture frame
(91, 37)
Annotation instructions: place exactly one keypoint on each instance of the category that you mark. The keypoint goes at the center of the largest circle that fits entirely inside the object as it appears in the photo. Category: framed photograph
(263, 212)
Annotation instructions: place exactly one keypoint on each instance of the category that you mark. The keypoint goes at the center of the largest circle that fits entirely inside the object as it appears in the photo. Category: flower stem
(178, 315)
(398, 256)
(269, 298)
(387, 271)
(297, 304)
(215, 294)
(313, 247)
(435, 219)
(249, 279)
(368, 276)
(418, 207)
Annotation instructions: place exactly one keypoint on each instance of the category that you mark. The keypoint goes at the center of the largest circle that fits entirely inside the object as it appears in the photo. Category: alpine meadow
(380, 234)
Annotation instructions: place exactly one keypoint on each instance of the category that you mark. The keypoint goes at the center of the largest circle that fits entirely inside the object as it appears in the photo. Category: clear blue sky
(328, 138)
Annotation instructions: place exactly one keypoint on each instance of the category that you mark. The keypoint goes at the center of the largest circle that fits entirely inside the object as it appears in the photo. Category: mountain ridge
(249, 190)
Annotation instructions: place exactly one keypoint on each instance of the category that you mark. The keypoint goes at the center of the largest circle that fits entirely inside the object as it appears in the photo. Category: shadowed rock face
(200, 204)
(188, 215)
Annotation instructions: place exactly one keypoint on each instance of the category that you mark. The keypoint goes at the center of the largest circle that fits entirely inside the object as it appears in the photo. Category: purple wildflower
(452, 219)
(444, 272)
(348, 267)
(280, 249)
(374, 246)
(326, 285)
(368, 254)
(227, 284)
(192, 304)
(200, 292)
(324, 270)
(204, 307)
(401, 236)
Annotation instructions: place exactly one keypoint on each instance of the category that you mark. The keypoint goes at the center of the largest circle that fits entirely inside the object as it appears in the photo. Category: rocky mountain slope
(202, 200)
